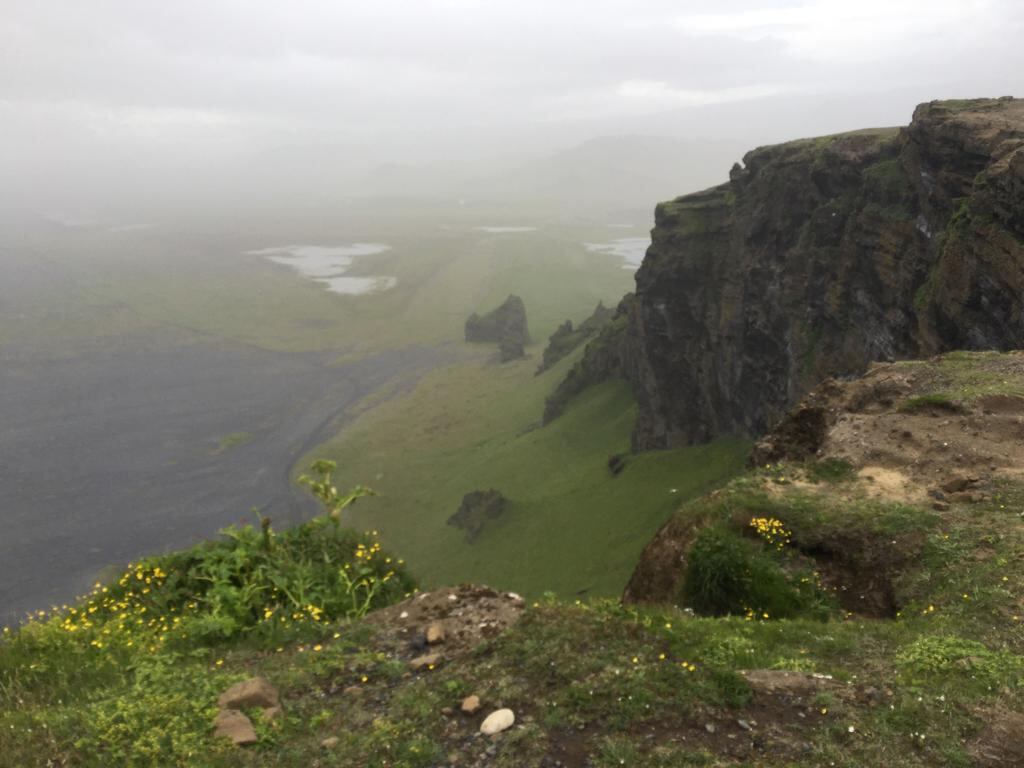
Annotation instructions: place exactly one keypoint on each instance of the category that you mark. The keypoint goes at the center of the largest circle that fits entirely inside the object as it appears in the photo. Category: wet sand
(112, 453)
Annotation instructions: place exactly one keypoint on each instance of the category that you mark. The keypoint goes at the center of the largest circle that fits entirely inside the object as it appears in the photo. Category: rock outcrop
(505, 326)
(566, 338)
(820, 256)
(476, 509)
(605, 356)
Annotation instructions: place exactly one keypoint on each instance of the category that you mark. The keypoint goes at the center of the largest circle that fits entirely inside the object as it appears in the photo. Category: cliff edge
(822, 255)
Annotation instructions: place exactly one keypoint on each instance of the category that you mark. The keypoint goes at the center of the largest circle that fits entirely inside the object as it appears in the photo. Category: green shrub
(728, 574)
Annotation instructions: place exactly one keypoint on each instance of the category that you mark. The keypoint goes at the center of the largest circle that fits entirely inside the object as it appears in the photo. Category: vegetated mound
(846, 486)
(822, 255)
(476, 508)
(505, 325)
(566, 338)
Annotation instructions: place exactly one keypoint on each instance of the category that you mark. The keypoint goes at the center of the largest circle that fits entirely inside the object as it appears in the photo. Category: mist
(127, 111)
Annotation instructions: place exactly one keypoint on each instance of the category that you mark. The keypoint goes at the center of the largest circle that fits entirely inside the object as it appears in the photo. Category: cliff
(822, 255)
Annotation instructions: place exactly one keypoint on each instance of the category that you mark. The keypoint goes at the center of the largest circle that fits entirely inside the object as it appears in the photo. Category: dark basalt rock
(566, 338)
(604, 357)
(476, 509)
(819, 257)
(505, 326)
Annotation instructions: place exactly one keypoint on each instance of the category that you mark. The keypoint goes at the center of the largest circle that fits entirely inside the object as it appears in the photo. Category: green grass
(594, 677)
(129, 675)
(830, 470)
(964, 377)
(570, 526)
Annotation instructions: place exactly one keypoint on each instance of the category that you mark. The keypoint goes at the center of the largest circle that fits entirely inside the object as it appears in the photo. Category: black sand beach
(113, 453)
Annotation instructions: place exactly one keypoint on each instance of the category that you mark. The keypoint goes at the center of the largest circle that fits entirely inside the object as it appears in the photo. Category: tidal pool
(630, 249)
(327, 264)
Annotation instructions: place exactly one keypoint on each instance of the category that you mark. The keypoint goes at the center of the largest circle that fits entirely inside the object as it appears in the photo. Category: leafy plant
(934, 655)
(322, 486)
(728, 574)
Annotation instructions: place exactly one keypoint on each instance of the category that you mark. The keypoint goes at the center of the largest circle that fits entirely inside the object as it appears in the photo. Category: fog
(126, 110)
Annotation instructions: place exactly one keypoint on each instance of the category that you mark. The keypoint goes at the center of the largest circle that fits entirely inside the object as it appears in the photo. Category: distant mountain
(603, 173)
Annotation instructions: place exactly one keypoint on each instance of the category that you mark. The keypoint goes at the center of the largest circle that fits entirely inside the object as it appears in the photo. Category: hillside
(838, 610)
(853, 597)
(822, 255)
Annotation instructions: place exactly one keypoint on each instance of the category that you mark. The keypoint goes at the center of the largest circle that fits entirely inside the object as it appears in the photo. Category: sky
(110, 99)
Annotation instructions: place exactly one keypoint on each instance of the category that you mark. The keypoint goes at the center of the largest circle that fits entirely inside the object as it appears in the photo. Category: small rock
(421, 663)
(353, 690)
(234, 725)
(940, 506)
(447, 711)
(330, 742)
(254, 692)
(955, 483)
(744, 725)
(498, 721)
(710, 727)
(435, 633)
(471, 705)
(873, 696)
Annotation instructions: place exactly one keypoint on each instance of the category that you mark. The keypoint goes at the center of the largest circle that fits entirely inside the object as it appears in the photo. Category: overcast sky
(117, 92)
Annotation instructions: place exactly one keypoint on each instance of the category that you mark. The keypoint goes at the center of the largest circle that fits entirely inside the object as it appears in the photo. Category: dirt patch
(893, 429)
(1001, 743)
(799, 436)
(780, 722)
(891, 484)
(1002, 404)
(861, 569)
(468, 614)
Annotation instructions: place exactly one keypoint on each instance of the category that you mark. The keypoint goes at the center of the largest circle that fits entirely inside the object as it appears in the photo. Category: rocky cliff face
(822, 255)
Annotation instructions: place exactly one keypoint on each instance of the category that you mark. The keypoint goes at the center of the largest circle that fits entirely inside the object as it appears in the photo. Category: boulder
(234, 725)
(254, 692)
(498, 721)
(476, 509)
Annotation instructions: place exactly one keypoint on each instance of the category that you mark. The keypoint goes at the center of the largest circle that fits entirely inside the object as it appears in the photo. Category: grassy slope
(595, 684)
(570, 526)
